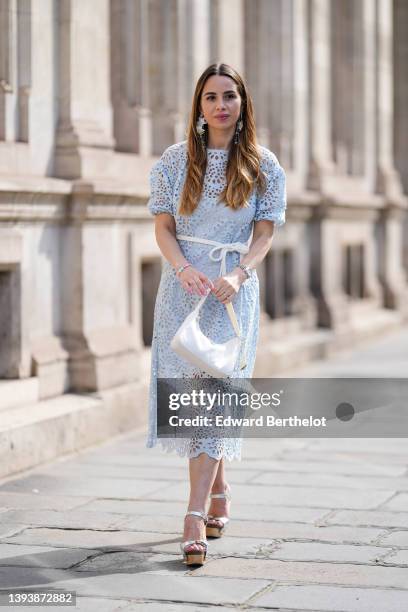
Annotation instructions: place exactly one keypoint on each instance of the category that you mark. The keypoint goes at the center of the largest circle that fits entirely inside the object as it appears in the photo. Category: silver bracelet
(182, 268)
(247, 270)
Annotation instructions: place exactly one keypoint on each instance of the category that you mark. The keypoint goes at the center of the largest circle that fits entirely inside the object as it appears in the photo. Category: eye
(231, 95)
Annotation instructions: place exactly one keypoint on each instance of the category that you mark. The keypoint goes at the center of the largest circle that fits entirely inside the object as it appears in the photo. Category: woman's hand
(226, 287)
(195, 281)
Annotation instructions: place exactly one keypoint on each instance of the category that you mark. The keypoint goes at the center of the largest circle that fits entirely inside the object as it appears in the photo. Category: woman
(218, 185)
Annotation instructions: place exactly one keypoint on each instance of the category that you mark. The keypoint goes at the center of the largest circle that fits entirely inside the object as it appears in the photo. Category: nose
(220, 104)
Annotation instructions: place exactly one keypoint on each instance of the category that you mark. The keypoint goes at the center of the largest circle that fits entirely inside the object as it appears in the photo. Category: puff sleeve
(162, 176)
(271, 206)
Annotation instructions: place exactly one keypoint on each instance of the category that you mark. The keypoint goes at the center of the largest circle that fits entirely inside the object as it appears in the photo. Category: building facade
(91, 92)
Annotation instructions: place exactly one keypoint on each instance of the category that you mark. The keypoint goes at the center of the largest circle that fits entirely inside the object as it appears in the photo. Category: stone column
(348, 85)
(401, 104)
(263, 68)
(320, 120)
(276, 72)
(198, 34)
(326, 268)
(269, 86)
(24, 43)
(193, 51)
(96, 268)
(129, 75)
(388, 179)
(390, 245)
(276, 40)
(192, 56)
(252, 61)
(163, 73)
(366, 10)
(228, 18)
(299, 106)
(84, 138)
(8, 71)
(401, 89)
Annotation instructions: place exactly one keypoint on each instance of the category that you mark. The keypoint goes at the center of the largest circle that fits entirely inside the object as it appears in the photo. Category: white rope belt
(219, 253)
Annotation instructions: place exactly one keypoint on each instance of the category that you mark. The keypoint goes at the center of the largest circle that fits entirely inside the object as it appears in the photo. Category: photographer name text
(259, 421)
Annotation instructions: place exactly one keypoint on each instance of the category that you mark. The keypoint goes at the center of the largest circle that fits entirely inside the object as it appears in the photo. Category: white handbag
(218, 360)
(190, 343)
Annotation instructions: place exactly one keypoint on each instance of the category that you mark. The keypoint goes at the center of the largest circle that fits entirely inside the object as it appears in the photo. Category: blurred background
(91, 93)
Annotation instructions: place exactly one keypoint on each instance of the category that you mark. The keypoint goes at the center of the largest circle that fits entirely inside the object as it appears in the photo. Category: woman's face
(220, 102)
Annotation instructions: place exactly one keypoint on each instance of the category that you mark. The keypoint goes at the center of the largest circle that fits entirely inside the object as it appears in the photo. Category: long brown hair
(243, 171)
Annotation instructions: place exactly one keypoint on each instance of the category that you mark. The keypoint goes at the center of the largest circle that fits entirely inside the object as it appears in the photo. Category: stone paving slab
(9, 529)
(135, 458)
(296, 531)
(395, 538)
(334, 599)
(344, 467)
(369, 519)
(387, 459)
(95, 487)
(242, 511)
(244, 547)
(345, 574)
(74, 519)
(151, 606)
(32, 500)
(89, 604)
(154, 524)
(232, 546)
(171, 524)
(142, 541)
(399, 502)
(150, 474)
(146, 562)
(365, 445)
(128, 507)
(316, 551)
(41, 556)
(138, 585)
(44, 536)
(264, 529)
(327, 497)
(397, 557)
(203, 590)
(374, 483)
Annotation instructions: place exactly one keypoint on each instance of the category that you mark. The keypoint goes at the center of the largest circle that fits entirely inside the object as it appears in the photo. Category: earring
(201, 123)
(238, 128)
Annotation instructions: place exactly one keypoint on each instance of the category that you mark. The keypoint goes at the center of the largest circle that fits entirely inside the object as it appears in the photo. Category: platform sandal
(214, 530)
(195, 557)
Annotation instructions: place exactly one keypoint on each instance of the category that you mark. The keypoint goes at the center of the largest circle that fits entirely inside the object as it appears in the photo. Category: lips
(221, 116)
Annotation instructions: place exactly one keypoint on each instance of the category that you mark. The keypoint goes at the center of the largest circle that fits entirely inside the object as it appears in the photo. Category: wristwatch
(247, 270)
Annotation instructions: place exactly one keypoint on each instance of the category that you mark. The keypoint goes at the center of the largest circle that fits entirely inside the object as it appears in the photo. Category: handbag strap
(219, 253)
(230, 312)
(233, 318)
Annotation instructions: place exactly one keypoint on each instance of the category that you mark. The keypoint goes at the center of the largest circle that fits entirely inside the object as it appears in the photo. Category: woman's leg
(203, 470)
(219, 507)
(219, 480)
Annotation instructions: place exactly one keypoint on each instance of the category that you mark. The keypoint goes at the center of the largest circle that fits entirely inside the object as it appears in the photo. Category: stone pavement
(318, 524)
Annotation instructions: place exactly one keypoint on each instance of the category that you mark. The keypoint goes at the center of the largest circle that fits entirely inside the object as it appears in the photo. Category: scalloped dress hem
(173, 445)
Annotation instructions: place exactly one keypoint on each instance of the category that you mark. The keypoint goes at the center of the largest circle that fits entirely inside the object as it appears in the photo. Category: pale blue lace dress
(215, 222)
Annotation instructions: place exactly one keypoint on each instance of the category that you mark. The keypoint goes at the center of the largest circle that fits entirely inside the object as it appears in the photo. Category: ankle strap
(198, 513)
(225, 495)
